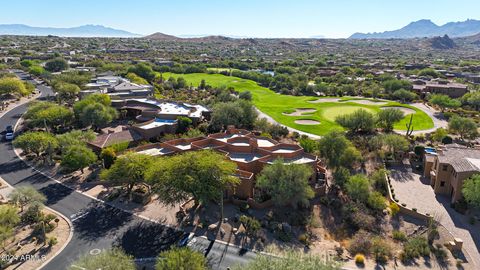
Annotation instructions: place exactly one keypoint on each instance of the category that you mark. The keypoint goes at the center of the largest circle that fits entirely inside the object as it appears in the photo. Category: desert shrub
(379, 182)
(340, 176)
(399, 236)
(251, 224)
(360, 259)
(32, 214)
(418, 150)
(363, 220)
(381, 250)
(304, 239)
(52, 241)
(394, 208)
(415, 248)
(376, 201)
(447, 140)
(360, 243)
(440, 253)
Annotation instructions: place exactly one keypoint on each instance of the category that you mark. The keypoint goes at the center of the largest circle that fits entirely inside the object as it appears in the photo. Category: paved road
(98, 226)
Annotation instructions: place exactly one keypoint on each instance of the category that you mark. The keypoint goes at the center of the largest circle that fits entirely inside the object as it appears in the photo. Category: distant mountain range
(200, 38)
(426, 28)
(80, 31)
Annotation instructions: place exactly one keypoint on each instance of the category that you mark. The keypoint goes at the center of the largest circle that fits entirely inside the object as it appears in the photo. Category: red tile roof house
(249, 152)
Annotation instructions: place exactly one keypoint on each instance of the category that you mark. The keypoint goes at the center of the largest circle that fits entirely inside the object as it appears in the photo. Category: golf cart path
(437, 117)
(272, 121)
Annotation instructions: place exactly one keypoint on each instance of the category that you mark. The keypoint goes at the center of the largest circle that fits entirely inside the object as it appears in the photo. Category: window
(444, 167)
(442, 184)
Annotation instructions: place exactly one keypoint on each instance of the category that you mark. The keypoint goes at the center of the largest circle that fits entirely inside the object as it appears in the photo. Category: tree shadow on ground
(100, 220)
(55, 192)
(13, 166)
(147, 239)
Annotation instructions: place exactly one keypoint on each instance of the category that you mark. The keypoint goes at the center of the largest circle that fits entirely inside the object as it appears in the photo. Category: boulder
(212, 226)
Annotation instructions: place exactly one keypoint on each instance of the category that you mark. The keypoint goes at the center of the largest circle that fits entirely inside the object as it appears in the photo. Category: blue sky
(253, 18)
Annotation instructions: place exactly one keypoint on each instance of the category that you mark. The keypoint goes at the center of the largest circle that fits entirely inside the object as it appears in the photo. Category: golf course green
(287, 110)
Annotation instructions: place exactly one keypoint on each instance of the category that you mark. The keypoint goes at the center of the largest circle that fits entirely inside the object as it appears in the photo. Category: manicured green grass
(275, 104)
(333, 112)
(218, 70)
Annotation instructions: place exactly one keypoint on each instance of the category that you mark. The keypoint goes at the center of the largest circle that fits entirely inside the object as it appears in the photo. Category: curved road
(96, 225)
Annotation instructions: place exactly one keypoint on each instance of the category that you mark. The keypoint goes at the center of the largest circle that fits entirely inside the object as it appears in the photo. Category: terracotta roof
(109, 139)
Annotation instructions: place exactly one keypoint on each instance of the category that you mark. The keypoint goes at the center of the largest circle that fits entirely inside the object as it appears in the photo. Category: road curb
(17, 153)
(36, 96)
(70, 233)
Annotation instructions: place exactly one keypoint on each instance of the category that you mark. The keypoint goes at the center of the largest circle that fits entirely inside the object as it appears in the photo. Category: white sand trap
(405, 111)
(366, 102)
(300, 112)
(307, 122)
(323, 100)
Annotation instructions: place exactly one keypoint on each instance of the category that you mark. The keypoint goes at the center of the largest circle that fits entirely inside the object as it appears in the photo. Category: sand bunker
(300, 112)
(307, 122)
(405, 111)
(323, 100)
(367, 102)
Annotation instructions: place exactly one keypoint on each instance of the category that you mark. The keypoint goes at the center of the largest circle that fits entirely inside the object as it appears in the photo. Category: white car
(9, 136)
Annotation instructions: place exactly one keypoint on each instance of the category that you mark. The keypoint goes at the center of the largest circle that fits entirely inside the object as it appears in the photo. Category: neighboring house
(251, 153)
(117, 88)
(112, 137)
(448, 168)
(451, 89)
(151, 109)
(157, 119)
(473, 78)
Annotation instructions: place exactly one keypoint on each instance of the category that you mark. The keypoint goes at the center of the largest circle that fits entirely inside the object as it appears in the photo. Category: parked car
(9, 136)
(185, 239)
(8, 133)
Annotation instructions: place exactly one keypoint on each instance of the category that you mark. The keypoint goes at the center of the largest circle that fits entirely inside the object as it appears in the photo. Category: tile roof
(105, 140)
(462, 159)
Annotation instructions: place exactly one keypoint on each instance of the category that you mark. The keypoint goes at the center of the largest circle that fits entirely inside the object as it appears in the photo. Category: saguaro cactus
(409, 127)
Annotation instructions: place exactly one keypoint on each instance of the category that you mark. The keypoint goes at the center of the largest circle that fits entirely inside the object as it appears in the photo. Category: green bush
(419, 150)
(52, 241)
(251, 224)
(399, 236)
(108, 156)
(376, 201)
(394, 209)
(32, 214)
(415, 248)
(447, 140)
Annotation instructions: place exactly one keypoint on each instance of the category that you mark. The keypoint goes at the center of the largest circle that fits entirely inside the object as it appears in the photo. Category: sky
(242, 18)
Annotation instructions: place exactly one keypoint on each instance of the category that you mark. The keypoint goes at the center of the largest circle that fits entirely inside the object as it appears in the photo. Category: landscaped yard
(326, 109)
